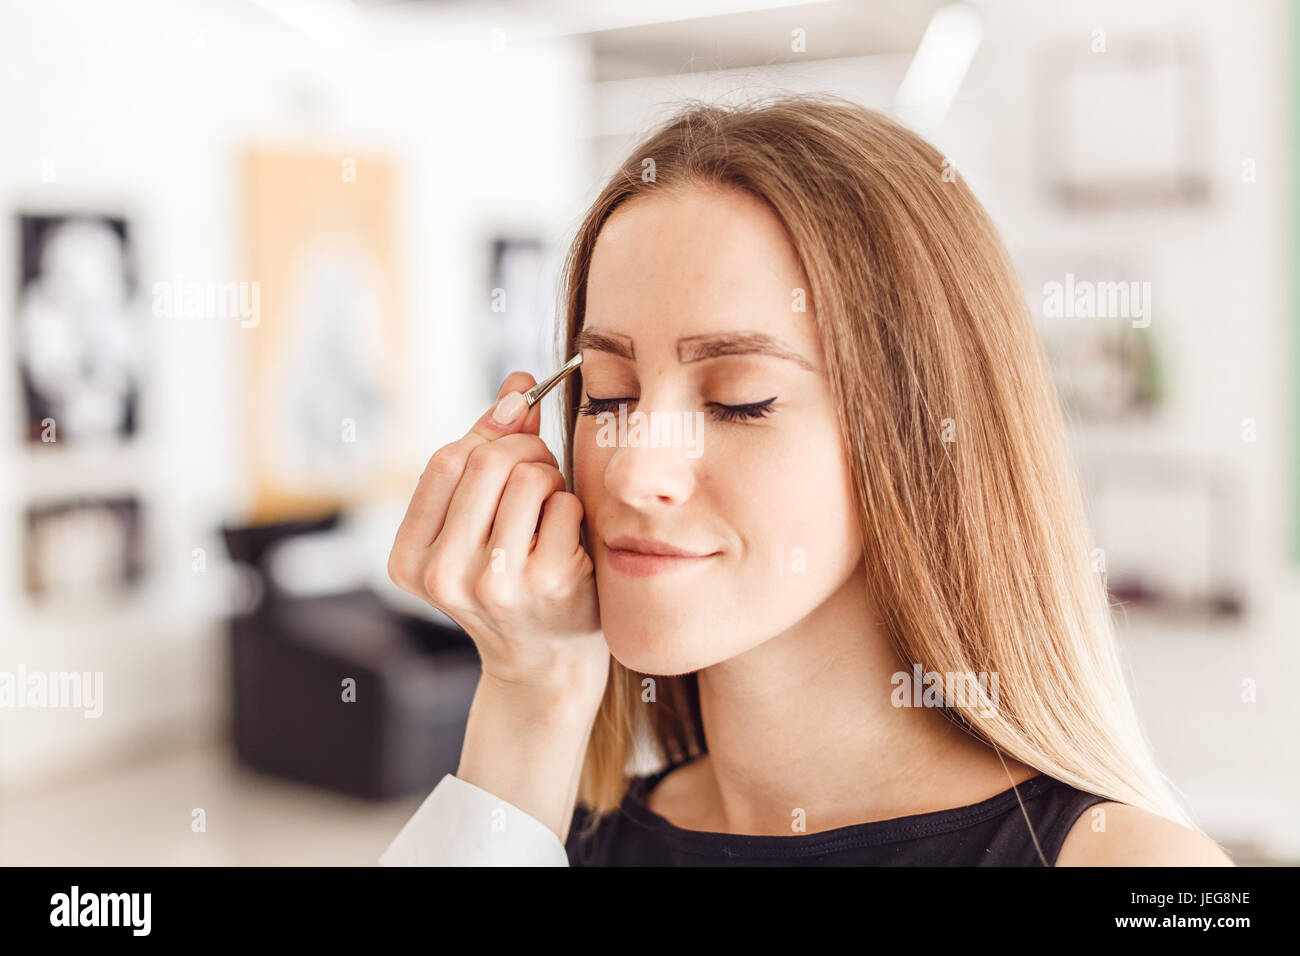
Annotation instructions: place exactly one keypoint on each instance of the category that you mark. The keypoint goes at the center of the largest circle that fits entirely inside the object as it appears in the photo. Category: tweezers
(534, 394)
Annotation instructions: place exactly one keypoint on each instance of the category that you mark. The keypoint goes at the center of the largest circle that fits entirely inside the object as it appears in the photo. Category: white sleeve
(459, 824)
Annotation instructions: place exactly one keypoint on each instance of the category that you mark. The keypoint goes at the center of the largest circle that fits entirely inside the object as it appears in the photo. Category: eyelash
(722, 413)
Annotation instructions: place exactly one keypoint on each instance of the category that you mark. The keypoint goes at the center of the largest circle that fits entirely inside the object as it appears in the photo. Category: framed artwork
(518, 323)
(80, 335)
(1094, 313)
(1123, 121)
(1172, 534)
(83, 548)
(323, 403)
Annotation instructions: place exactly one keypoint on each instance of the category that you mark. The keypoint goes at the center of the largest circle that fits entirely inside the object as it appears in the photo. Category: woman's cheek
(584, 442)
(589, 463)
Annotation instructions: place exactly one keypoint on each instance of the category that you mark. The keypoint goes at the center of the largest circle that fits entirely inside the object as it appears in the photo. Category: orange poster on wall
(323, 359)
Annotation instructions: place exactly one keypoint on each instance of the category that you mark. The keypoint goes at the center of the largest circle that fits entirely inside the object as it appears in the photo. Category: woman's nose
(641, 475)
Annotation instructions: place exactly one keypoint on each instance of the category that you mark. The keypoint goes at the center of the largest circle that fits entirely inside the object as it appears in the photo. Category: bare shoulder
(1116, 834)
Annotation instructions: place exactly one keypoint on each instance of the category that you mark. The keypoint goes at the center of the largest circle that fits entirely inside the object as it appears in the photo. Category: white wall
(1226, 311)
(143, 106)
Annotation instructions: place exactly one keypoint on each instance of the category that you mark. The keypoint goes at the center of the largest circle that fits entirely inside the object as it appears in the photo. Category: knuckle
(494, 590)
(527, 446)
(448, 462)
(432, 583)
(565, 501)
(489, 456)
(547, 582)
(536, 445)
(530, 476)
(438, 580)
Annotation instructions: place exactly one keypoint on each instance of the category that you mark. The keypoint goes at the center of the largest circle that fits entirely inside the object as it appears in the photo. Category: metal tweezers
(534, 394)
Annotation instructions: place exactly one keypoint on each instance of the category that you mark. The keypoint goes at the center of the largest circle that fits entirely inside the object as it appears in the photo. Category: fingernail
(508, 408)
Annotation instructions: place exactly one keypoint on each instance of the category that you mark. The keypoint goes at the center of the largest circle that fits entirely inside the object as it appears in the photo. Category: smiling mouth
(638, 564)
(643, 558)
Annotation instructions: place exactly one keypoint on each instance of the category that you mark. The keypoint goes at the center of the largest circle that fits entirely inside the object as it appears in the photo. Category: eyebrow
(697, 348)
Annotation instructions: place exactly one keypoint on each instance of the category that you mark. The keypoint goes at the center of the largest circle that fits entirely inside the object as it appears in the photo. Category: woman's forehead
(695, 237)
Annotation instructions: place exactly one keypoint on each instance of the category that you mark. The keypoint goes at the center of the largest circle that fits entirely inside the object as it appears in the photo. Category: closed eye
(722, 413)
(735, 413)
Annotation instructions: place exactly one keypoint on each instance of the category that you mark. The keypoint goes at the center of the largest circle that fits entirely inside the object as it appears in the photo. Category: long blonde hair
(977, 549)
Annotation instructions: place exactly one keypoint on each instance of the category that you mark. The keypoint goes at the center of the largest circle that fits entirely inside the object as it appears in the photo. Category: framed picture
(520, 287)
(85, 548)
(1122, 121)
(325, 357)
(80, 335)
(1172, 535)
(1094, 313)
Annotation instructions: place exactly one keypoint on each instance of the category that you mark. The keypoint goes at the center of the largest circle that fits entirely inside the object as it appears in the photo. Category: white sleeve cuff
(459, 824)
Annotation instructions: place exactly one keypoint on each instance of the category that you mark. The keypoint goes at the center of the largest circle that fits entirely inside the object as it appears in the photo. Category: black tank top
(992, 832)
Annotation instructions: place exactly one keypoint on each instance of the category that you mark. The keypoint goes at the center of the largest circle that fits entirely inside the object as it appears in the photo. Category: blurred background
(259, 258)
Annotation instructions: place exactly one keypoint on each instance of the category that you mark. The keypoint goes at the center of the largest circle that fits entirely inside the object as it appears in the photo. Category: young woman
(876, 506)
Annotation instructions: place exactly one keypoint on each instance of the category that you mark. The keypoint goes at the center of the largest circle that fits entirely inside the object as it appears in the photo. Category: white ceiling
(635, 38)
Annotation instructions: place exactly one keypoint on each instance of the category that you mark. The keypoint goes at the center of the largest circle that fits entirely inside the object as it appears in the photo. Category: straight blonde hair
(977, 550)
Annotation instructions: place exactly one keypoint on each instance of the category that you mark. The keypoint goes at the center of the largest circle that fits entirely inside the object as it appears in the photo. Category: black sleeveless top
(992, 832)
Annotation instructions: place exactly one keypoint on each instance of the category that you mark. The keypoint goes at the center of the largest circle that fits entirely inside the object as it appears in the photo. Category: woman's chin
(656, 651)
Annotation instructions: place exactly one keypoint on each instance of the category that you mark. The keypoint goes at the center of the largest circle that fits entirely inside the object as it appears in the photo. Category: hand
(491, 538)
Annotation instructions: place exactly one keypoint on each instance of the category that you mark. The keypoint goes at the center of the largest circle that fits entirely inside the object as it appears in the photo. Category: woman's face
(693, 305)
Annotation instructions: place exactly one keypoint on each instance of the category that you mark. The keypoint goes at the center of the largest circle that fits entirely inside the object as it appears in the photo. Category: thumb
(511, 407)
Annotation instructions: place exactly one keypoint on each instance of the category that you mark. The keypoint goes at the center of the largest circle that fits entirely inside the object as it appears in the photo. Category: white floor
(141, 816)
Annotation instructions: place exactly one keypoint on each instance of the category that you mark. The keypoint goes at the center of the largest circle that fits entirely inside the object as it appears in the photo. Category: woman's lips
(642, 557)
(641, 565)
